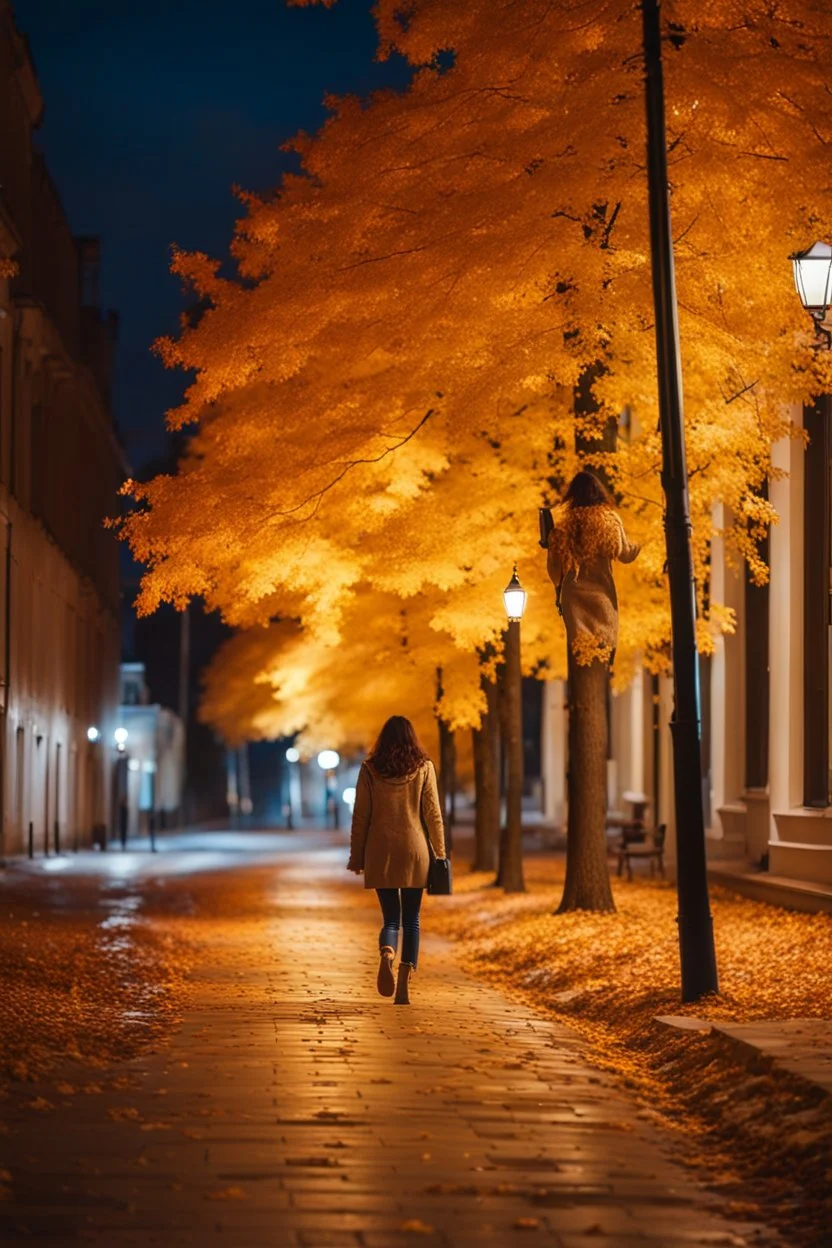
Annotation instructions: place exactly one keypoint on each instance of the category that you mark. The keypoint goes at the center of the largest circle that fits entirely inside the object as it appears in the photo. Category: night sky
(153, 110)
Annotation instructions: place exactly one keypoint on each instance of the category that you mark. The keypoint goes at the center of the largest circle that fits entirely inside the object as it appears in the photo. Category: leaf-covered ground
(85, 974)
(763, 1138)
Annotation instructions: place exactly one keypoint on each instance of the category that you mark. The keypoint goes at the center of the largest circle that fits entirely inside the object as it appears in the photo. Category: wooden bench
(641, 845)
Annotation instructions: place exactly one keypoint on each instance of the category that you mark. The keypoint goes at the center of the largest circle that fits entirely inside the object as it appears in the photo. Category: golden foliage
(585, 533)
(382, 393)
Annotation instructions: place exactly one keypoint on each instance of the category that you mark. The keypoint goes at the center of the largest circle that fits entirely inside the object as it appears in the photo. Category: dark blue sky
(154, 108)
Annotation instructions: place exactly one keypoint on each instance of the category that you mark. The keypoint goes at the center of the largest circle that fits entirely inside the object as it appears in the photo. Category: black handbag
(440, 876)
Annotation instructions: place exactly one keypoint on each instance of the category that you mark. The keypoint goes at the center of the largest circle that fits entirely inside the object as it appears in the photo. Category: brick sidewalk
(295, 1107)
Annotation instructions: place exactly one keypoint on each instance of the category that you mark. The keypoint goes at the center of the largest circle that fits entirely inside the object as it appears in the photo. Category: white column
(786, 631)
(636, 691)
(727, 701)
(553, 751)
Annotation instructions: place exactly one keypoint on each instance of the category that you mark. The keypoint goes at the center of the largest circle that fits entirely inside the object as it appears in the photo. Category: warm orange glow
(384, 391)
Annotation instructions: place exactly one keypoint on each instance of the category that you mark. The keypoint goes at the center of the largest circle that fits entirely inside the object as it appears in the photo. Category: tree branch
(347, 467)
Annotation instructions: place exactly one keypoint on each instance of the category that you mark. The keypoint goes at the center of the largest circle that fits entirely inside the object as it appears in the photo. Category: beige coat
(587, 589)
(389, 822)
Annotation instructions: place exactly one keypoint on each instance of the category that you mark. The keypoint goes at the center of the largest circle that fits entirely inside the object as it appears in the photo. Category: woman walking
(396, 813)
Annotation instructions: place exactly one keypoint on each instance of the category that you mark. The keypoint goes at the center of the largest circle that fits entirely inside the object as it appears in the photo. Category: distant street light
(294, 800)
(510, 873)
(93, 733)
(328, 760)
(120, 737)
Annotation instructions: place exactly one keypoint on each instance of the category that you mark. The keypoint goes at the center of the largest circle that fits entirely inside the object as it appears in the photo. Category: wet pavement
(293, 1106)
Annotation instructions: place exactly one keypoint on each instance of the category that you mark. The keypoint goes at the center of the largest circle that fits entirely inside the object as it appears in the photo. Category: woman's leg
(411, 904)
(392, 918)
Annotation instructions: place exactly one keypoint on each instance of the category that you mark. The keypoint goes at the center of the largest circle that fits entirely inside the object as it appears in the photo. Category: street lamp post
(510, 874)
(122, 793)
(696, 937)
(98, 837)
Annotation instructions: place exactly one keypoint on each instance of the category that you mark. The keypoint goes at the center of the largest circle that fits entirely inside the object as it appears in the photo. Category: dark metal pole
(511, 857)
(184, 703)
(696, 938)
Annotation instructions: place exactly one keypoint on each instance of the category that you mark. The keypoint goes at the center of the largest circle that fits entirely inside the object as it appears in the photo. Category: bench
(649, 845)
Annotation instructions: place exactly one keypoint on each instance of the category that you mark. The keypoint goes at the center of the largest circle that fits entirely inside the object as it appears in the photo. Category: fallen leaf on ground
(123, 1113)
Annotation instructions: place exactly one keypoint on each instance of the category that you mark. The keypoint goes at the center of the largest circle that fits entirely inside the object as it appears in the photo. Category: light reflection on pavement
(185, 853)
(95, 947)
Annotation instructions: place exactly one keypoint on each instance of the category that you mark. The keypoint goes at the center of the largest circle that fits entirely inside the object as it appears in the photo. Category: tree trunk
(487, 784)
(587, 885)
(447, 779)
(510, 873)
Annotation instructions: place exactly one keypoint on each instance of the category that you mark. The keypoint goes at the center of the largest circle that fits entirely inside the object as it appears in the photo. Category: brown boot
(402, 994)
(385, 982)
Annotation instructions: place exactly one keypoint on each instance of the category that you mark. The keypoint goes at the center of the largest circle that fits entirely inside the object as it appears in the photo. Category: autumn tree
(382, 391)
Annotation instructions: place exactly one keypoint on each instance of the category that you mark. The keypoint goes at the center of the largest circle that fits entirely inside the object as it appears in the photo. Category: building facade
(149, 776)
(766, 693)
(60, 470)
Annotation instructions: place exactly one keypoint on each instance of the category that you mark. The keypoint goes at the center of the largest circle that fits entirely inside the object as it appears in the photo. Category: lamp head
(514, 597)
(813, 278)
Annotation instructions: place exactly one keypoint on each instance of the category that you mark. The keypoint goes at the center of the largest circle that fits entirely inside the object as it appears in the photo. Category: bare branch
(347, 467)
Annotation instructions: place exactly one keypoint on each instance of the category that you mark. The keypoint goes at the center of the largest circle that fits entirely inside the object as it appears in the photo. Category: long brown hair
(586, 524)
(397, 752)
(587, 490)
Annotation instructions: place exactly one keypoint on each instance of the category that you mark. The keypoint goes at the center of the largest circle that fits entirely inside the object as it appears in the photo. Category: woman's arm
(361, 813)
(629, 551)
(432, 812)
(554, 563)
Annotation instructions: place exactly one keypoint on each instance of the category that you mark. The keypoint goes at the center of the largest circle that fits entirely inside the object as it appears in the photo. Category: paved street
(293, 1106)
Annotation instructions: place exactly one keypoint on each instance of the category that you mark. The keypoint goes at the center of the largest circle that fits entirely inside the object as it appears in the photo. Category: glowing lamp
(328, 760)
(813, 278)
(514, 597)
(348, 797)
(120, 736)
(292, 755)
(92, 733)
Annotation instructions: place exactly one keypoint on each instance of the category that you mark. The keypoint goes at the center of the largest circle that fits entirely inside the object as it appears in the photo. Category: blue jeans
(400, 908)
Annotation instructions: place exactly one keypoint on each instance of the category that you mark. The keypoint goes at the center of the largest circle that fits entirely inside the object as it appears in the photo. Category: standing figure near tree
(396, 828)
(587, 537)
